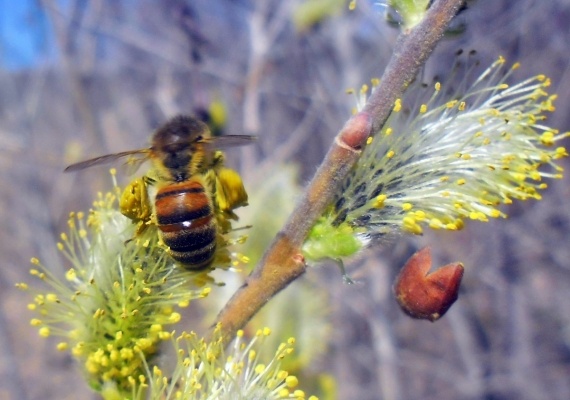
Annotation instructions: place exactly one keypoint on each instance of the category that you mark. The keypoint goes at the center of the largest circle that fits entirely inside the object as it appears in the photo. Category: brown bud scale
(426, 295)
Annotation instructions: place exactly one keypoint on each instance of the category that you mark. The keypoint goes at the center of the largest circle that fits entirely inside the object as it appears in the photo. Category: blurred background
(80, 78)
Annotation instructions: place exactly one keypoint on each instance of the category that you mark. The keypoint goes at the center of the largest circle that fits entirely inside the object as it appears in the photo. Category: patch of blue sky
(26, 37)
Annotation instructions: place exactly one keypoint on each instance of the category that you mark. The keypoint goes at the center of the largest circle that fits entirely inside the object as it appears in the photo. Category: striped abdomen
(185, 219)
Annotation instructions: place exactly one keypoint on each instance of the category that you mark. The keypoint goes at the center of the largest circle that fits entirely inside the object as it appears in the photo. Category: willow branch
(283, 261)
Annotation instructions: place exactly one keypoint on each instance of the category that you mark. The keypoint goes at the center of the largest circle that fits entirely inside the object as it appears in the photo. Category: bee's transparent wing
(134, 158)
(222, 142)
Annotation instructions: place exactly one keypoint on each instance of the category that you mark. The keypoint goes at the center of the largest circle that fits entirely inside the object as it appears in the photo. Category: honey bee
(195, 194)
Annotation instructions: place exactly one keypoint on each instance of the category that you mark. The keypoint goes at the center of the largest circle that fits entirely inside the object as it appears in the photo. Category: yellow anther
(379, 201)
(398, 105)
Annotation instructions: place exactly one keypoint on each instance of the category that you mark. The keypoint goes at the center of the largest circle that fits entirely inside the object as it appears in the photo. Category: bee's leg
(148, 181)
(135, 203)
(218, 159)
(229, 191)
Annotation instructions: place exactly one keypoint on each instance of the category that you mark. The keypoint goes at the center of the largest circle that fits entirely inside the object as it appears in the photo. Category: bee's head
(179, 145)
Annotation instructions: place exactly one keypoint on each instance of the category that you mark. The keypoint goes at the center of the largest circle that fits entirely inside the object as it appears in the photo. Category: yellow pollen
(435, 223)
(390, 154)
(547, 138)
(70, 275)
(495, 213)
(369, 140)
(561, 152)
(282, 375)
(398, 105)
(547, 83)
(420, 215)
(423, 109)
(52, 297)
(410, 225)
(459, 223)
(62, 346)
(291, 381)
(183, 303)
(379, 201)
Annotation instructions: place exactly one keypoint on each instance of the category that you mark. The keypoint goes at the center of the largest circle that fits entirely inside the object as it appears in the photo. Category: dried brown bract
(426, 295)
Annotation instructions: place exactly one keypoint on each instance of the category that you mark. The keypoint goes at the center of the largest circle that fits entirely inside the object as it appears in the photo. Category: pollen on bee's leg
(425, 295)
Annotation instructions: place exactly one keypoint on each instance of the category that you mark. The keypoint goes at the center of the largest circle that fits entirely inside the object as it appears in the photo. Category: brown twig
(283, 261)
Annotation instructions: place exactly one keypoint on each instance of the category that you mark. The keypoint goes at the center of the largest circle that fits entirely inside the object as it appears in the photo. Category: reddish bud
(427, 295)
(356, 131)
(299, 259)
